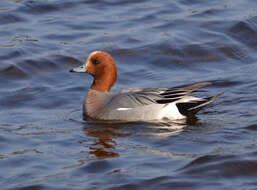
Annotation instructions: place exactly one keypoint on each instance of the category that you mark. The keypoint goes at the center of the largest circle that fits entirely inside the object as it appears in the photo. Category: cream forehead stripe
(92, 54)
(95, 52)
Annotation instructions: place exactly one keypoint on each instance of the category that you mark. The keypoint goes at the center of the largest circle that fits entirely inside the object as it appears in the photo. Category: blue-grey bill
(81, 69)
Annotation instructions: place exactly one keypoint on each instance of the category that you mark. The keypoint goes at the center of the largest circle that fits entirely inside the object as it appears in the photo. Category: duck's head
(102, 67)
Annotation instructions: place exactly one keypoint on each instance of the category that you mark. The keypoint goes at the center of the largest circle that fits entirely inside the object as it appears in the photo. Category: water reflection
(167, 128)
(107, 134)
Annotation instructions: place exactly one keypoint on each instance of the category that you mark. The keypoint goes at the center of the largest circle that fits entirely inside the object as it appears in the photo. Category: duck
(135, 104)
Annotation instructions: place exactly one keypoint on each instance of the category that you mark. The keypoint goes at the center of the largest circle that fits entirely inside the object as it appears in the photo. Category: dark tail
(191, 108)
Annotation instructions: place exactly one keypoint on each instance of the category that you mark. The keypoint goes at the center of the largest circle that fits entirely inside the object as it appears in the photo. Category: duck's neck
(100, 86)
(103, 84)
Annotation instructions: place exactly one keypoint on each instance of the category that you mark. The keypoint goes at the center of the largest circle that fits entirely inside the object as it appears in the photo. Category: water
(45, 144)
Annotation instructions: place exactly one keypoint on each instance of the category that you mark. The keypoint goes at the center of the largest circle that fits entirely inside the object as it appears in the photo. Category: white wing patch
(123, 109)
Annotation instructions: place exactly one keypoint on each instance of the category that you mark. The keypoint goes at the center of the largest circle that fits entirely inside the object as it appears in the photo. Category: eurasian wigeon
(135, 104)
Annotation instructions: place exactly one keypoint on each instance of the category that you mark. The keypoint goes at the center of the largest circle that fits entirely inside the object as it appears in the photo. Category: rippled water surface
(45, 144)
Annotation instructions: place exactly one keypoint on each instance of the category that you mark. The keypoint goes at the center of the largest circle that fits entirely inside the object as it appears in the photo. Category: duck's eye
(96, 62)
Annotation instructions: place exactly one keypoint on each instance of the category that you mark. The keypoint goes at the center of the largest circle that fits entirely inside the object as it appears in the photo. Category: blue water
(45, 144)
